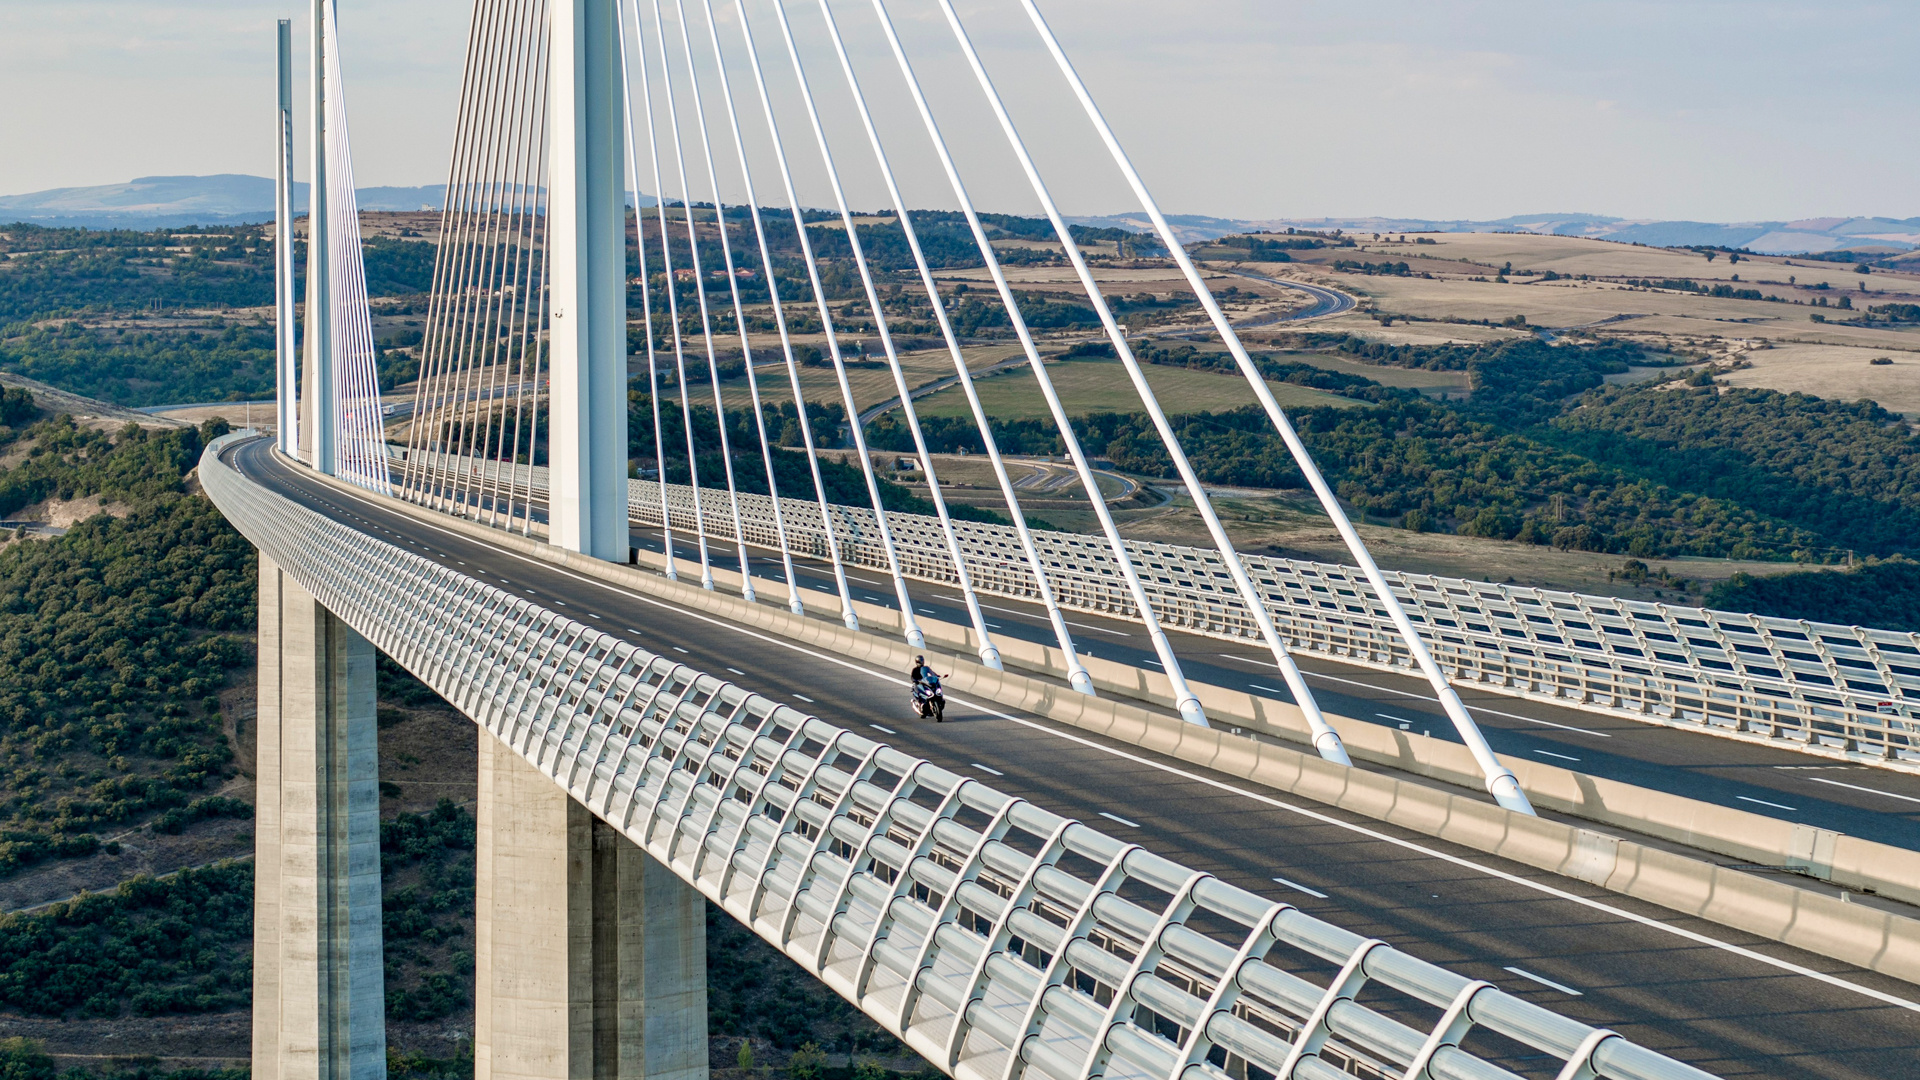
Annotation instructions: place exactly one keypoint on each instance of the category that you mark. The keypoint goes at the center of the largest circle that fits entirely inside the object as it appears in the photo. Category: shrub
(806, 1063)
(154, 946)
(22, 1059)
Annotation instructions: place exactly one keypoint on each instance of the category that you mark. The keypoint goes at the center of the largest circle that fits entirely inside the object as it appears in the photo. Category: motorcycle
(929, 699)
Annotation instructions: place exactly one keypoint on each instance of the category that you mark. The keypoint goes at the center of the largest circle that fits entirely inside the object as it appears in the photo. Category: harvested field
(1089, 386)
(1834, 371)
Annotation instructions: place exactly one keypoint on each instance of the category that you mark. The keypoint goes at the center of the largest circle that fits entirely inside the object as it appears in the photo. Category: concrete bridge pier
(319, 994)
(590, 957)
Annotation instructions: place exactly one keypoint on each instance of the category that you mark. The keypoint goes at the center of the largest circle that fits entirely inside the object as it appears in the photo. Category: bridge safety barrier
(1841, 691)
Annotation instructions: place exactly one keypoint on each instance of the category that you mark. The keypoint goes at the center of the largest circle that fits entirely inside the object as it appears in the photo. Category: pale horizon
(1713, 112)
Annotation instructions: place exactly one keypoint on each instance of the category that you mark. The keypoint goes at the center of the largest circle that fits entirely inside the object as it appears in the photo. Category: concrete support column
(590, 957)
(319, 990)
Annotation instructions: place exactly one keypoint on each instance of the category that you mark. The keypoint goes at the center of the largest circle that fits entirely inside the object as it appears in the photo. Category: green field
(1098, 385)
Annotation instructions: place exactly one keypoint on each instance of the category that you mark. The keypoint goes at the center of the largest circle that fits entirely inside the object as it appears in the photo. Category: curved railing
(1845, 691)
(993, 937)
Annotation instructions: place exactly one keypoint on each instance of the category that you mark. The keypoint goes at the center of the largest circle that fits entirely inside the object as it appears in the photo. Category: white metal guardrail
(1842, 691)
(998, 940)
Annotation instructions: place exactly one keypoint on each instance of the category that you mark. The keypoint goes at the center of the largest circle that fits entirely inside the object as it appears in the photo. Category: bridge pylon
(316, 426)
(587, 278)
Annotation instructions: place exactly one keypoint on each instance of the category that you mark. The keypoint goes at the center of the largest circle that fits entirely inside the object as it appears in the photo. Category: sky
(1679, 109)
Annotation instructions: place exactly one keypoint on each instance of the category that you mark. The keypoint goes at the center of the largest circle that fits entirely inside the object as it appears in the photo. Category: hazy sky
(1742, 109)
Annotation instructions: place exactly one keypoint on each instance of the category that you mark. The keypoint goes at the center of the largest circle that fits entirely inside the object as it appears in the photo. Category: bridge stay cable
(505, 247)
(534, 312)
(988, 652)
(1500, 780)
(1076, 671)
(910, 625)
(673, 303)
(847, 613)
(1189, 703)
(700, 279)
(1325, 739)
(646, 277)
(359, 450)
(746, 345)
(1077, 674)
(488, 282)
(509, 158)
(426, 441)
(527, 384)
(521, 296)
(475, 294)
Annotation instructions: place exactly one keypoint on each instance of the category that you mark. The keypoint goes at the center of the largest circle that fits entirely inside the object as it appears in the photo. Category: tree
(23, 1059)
(807, 1063)
(16, 407)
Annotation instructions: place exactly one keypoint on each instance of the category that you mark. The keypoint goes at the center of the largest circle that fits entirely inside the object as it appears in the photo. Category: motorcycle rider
(924, 683)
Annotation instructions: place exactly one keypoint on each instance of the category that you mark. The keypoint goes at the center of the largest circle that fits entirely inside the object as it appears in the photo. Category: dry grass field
(1089, 386)
(871, 384)
(1291, 524)
(1252, 301)
(1463, 302)
(1835, 371)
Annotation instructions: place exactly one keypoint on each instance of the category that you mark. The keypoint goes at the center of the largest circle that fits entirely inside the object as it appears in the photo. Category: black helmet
(919, 659)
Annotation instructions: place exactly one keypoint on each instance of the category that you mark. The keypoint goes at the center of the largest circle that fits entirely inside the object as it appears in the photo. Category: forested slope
(98, 312)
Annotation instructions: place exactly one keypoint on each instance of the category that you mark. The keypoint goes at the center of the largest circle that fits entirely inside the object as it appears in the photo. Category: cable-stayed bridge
(1122, 857)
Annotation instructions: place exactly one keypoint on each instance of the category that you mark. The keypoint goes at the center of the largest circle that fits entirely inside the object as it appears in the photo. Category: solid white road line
(1297, 887)
(1424, 697)
(984, 769)
(806, 699)
(888, 730)
(1568, 990)
(1549, 753)
(1764, 802)
(1046, 728)
(1121, 820)
(1857, 787)
(736, 671)
(1036, 618)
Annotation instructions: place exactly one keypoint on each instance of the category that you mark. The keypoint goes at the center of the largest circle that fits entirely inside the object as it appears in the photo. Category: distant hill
(160, 202)
(156, 202)
(1805, 236)
(153, 202)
